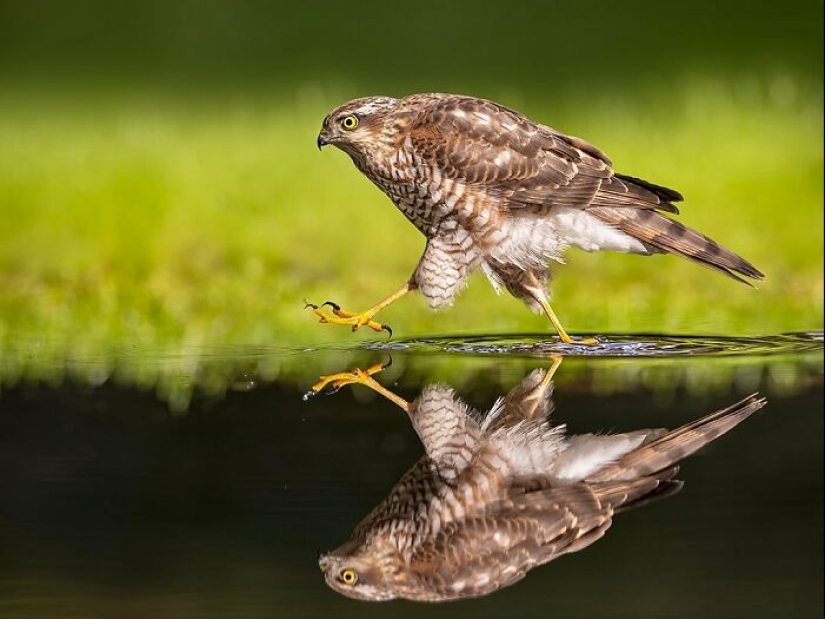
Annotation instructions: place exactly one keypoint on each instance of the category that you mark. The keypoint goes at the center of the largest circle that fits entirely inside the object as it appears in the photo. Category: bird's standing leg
(539, 293)
(357, 376)
(360, 319)
(563, 336)
(531, 287)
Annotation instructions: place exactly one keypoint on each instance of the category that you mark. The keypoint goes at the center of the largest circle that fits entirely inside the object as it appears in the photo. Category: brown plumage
(500, 493)
(491, 189)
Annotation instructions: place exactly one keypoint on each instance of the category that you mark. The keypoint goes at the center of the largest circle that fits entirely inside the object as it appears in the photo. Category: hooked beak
(323, 139)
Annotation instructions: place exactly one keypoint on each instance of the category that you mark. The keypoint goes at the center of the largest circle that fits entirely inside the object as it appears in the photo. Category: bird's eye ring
(348, 123)
(348, 576)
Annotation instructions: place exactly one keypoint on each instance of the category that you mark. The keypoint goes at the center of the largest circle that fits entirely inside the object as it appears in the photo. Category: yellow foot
(342, 317)
(554, 320)
(331, 383)
(586, 341)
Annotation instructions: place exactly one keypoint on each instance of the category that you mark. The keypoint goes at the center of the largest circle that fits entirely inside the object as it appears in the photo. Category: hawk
(500, 493)
(491, 189)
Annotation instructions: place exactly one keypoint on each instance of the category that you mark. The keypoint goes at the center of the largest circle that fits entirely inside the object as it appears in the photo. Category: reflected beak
(322, 140)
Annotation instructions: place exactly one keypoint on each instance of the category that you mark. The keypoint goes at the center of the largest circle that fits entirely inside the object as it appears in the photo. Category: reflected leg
(357, 376)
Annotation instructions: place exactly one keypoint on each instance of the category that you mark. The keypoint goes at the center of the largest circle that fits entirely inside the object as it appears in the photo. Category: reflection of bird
(500, 493)
(494, 190)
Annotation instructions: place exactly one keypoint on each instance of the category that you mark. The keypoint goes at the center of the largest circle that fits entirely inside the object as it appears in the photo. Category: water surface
(119, 499)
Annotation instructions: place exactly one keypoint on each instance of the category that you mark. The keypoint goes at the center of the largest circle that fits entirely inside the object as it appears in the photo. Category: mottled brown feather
(486, 503)
(666, 235)
(519, 533)
(531, 166)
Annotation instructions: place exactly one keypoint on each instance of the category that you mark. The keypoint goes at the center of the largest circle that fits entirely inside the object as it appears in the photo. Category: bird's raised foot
(343, 317)
(331, 383)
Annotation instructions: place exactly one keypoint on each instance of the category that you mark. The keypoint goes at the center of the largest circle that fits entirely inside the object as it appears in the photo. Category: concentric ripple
(610, 345)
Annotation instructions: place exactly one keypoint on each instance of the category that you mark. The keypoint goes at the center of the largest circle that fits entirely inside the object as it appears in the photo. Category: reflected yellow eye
(348, 576)
(349, 123)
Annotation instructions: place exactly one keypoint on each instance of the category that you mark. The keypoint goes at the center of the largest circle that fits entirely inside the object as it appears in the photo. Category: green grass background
(160, 188)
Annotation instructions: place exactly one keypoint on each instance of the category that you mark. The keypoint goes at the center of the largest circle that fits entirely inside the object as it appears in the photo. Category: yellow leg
(360, 319)
(559, 329)
(551, 371)
(357, 376)
(532, 401)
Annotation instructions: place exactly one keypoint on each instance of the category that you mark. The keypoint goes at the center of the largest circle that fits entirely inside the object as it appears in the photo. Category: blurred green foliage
(530, 46)
(160, 188)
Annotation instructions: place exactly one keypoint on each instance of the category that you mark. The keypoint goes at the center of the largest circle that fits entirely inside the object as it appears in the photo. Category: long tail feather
(663, 234)
(665, 451)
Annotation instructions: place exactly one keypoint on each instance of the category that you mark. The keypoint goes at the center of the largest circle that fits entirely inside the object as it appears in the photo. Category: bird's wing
(478, 555)
(527, 168)
(500, 152)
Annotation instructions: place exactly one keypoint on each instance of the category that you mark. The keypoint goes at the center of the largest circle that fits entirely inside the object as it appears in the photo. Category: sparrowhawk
(491, 189)
(499, 493)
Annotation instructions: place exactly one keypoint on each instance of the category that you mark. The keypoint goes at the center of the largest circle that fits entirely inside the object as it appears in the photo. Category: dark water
(115, 502)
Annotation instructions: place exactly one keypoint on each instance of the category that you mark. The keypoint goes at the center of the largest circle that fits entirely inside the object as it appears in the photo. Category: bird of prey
(491, 189)
(500, 493)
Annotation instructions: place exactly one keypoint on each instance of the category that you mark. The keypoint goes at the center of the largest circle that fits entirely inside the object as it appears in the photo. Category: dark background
(425, 45)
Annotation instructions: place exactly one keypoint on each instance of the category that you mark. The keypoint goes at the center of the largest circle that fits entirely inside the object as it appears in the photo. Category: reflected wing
(476, 556)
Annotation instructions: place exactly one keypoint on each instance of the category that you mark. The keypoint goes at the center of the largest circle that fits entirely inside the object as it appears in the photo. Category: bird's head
(359, 572)
(358, 126)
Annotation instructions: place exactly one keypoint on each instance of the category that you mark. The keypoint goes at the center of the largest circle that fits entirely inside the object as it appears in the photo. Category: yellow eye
(348, 576)
(349, 123)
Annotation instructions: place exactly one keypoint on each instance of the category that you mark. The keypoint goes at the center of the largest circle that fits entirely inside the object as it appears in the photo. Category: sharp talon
(335, 307)
(310, 305)
(388, 329)
(386, 364)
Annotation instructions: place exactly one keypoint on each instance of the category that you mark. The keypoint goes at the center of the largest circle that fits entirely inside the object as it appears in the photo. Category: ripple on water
(611, 345)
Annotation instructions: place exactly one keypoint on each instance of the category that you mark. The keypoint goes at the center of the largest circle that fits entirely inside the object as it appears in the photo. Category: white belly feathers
(532, 241)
